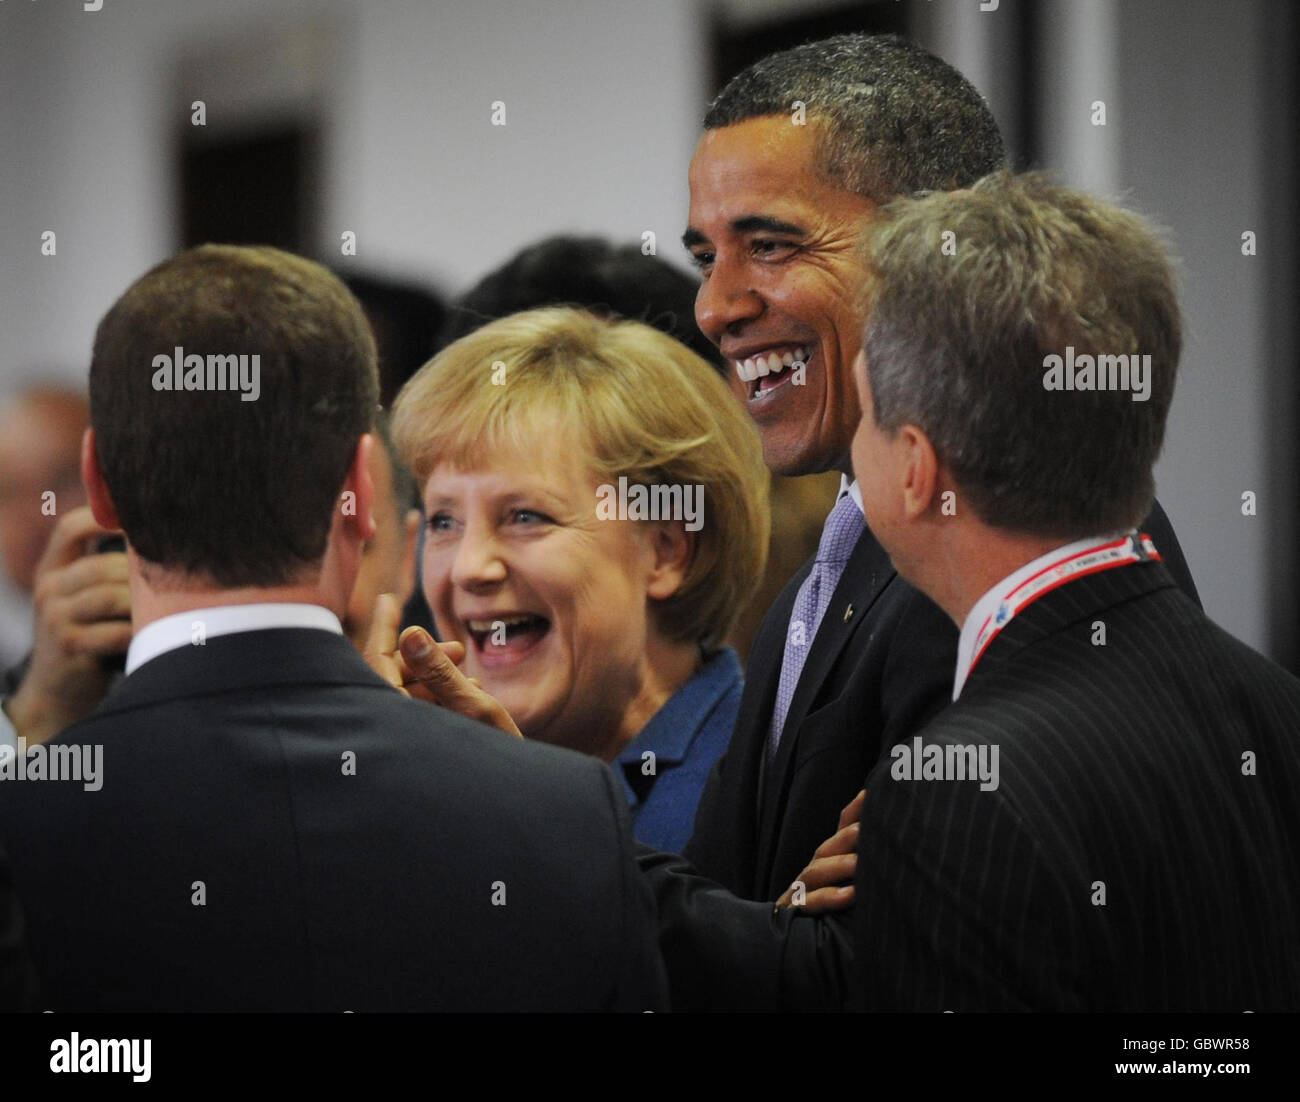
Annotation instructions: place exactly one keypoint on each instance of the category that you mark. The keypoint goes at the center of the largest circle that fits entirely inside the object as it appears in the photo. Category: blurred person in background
(40, 446)
(597, 627)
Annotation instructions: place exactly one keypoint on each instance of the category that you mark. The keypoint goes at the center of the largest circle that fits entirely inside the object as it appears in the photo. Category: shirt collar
(672, 729)
(186, 628)
(987, 605)
(847, 487)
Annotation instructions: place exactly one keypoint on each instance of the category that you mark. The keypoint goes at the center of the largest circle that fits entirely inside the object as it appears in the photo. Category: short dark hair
(242, 492)
(893, 118)
(611, 281)
(972, 293)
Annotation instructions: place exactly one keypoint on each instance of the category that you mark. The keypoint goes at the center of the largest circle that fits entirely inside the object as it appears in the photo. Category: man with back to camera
(251, 788)
(83, 605)
(1106, 817)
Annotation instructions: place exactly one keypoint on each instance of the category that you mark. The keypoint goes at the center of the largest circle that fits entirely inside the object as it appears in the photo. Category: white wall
(603, 100)
(1184, 143)
(1193, 155)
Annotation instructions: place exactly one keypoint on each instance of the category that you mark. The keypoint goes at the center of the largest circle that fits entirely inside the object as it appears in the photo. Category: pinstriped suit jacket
(1142, 848)
(879, 667)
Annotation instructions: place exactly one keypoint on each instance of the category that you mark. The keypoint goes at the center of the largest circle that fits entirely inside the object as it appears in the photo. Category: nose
(478, 563)
(726, 301)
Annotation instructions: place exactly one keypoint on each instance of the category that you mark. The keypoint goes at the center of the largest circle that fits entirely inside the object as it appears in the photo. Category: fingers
(68, 540)
(433, 668)
(106, 601)
(429, 663)
(97, 639)
(852, 812)
(828, 900)
(826, 884)
(382, 638)
(63, 580)
(844, 840)
(828, 871)
(381, 643)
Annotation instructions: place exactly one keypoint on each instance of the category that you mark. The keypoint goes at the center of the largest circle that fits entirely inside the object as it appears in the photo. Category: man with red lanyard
(1105, 819)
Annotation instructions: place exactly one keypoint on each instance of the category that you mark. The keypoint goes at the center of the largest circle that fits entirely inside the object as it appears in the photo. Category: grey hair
(958, 338)
(892, 118)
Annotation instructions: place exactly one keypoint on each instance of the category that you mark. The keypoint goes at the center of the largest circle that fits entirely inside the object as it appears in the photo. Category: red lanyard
(1078, 564)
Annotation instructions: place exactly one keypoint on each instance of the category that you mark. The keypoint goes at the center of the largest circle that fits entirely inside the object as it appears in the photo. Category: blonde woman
(596, 505)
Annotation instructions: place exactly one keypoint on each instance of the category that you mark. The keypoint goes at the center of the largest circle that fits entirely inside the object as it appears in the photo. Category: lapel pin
(848, 614)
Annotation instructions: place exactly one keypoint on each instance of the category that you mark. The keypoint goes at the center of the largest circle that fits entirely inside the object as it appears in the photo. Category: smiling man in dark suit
(798, 153)
(1106, 817)
(273, 826)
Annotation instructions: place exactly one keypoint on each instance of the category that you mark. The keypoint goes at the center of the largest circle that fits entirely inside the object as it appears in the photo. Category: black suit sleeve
(957, 907)
(17, 980)
(727, 953)
(642, 984)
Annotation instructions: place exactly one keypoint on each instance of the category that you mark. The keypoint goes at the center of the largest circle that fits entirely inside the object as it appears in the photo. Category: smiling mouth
(505, 639)
(767, 371)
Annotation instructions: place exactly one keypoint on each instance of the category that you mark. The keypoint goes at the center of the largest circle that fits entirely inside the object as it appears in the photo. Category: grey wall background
(603, 102)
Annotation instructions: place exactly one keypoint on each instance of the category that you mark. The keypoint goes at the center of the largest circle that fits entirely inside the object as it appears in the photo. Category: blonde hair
(644, 405)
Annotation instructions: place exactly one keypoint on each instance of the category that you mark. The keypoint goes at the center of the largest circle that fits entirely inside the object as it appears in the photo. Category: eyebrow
(751, 223)
(507, 498)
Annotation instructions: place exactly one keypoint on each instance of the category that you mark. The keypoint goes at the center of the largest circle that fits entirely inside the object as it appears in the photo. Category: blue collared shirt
(686, 736)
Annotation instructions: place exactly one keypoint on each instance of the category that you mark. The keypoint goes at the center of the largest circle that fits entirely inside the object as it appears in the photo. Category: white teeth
(490, 625)
(771, 364)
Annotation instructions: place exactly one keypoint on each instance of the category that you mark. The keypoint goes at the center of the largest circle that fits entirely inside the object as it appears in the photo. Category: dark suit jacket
(1140, 849)
(352, 847)
(17, 981)
(880, 667)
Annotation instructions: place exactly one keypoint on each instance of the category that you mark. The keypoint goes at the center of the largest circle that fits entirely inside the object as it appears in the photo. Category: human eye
(529, 518)
(768, 248)
(702, 259)
(440, 522)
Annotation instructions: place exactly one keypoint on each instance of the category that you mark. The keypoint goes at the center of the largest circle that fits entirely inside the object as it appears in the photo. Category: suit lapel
(865, 576)
(749, 738)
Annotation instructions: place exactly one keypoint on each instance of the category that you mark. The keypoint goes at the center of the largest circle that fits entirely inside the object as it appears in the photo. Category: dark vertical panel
(249, 188)
(736, 48)
(1279, 246)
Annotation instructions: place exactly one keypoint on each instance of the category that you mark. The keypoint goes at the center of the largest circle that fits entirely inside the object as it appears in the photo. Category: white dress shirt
(851, 488)
(181, 630)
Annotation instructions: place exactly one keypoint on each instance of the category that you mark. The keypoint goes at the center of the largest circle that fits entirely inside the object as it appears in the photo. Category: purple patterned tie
(839, 536)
